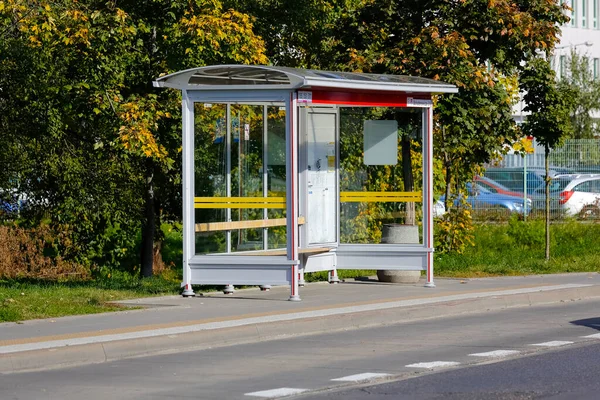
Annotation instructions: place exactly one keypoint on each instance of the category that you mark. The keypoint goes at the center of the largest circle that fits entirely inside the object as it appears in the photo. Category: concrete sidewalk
(175, 324)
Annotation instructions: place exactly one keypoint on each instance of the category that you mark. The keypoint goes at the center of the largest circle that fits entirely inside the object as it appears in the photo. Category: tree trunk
(148, 228)
(408, 179)
(547, 164)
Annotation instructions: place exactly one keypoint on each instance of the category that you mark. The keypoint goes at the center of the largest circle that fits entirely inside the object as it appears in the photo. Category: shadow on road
(593, 323)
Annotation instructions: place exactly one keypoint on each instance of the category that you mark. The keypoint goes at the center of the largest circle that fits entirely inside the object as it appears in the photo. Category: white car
(438, 209)
(578, 194)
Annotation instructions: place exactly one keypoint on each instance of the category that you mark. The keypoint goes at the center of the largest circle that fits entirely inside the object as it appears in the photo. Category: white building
(581, 34)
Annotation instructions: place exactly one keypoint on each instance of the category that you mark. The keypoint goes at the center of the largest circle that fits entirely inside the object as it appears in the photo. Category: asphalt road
(569, 374)
(526, 352)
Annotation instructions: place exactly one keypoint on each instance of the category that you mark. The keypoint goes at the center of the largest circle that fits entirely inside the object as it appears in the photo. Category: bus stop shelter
(292, 171)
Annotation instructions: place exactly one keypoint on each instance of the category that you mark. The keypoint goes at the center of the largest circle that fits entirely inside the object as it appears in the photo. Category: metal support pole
(265, 182)
(265, 173)
(228, 288)
(428, 190)
(187, 111)
(228, 173)
(291, 168)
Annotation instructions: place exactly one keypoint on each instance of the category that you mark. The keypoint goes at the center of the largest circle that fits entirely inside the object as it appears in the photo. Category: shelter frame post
(228, 139)
(265, 180)
(428, 190)
(229, 289)
(187, 110)
(291, 168)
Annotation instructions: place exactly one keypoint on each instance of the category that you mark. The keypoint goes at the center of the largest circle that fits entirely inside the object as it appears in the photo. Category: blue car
(482, 199)
(11, 205)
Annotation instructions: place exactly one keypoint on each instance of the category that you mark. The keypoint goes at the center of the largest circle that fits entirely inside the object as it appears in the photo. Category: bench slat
(254, 224)
(283, 252)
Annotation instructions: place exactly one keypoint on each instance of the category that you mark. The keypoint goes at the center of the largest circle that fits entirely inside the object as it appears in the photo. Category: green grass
(516, 248)
(23, 300)
(342, 274)
(519, 249)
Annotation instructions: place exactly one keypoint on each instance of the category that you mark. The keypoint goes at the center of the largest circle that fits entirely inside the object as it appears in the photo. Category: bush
(454, 230)
(528, 234)
(517, 248)
(31, 254)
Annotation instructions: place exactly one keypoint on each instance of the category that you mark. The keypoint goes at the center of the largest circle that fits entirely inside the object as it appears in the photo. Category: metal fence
(519, 180)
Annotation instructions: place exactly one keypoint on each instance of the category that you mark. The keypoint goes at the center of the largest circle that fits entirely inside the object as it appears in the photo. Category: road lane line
(496, 353)
(555, 343)
(594, 336)
(269, 394)
(433, 364)
(361, 377)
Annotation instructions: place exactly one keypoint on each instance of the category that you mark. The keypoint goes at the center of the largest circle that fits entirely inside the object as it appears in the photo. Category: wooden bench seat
(253, 224)
(283, 252)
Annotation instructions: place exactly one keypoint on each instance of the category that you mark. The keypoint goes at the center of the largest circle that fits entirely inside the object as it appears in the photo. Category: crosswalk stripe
(496, 353)
(361, 377)
(269, 394)
(433, 364)
(594, 336)
(555, 343)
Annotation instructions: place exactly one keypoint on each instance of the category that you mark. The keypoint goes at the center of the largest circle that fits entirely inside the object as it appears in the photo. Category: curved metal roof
(252, 77)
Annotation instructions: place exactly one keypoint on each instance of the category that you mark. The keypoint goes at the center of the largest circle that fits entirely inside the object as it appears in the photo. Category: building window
(573, 13)
(596, 67)
(584, 14)
(563, 66)
(595, 14)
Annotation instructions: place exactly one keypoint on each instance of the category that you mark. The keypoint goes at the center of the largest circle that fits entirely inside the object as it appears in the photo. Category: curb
(281, 325)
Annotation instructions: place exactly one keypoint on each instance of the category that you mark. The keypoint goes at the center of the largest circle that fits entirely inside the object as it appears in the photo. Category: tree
(60, 70)
(175, 36)
(97, 145)
(549, 122)
(476, 44)
(579, 81)
(301, 34)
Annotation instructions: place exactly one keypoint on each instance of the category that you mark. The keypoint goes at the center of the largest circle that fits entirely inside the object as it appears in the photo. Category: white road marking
(555, 343)
(433, 364)
(594, 336)
(361, 377)
(269, 394)
(496, 353)
(49, 344)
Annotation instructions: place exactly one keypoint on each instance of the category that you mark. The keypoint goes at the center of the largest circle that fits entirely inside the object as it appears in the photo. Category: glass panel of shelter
(210, 175)
(372, 196)
(232, 146)
(276, 175)
(246, 173)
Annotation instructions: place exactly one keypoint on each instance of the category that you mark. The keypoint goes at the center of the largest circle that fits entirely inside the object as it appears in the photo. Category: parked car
(574, 195)
(11, 206)
(495, 187)
(438, 209)
(482, 199)
(512, 178)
